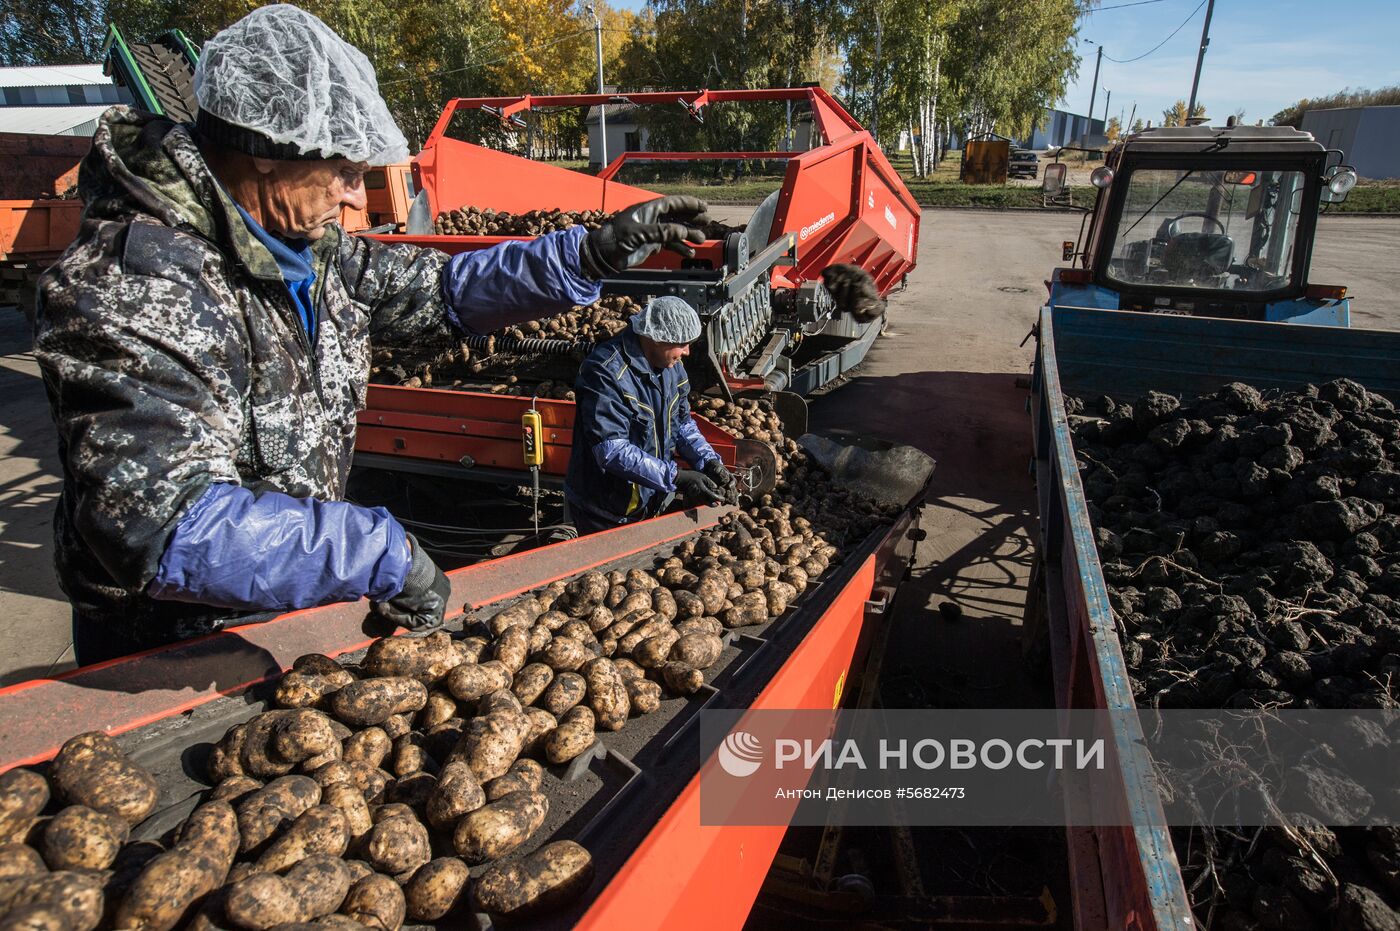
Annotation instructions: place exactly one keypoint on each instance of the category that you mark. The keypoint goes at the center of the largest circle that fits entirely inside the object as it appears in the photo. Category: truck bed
(1123, 875)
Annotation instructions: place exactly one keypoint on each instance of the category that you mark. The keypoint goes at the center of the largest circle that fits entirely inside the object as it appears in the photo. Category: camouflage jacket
(173, 358)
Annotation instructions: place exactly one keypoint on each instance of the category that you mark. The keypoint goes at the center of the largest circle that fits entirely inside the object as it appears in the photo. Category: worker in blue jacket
(633, 418)
(205, 342)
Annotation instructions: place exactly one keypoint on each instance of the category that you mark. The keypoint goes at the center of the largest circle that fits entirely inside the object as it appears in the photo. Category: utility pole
(602, 107)
(1107, 99)
(1200, 59)
(1094, 91)
(1132, 116)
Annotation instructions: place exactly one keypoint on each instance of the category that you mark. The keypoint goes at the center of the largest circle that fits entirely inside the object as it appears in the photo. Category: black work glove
(695, 488)
(854, 291)
(629, 236)
(423, 601)
(724, 479)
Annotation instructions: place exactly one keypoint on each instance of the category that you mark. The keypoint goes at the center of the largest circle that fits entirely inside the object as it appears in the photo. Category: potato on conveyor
(749, 609)
(573, 736)
(351, 801)
(314, 887)
(512, 648)
(682, 678)
(498, 827)
(457, 792)
(321, 829)
(91, 770)
(263, 813)
(565, 654)
(397, 846)
(34, 918)
(272, 743)
(426, 659)
(524, 776)
(437, 889)
(369, 746)
(374, 701)
(23, 794)
(567, 690)
(492, 742)
(699, 650)
(376, 902)
(20, 860)
(173, 883)
(607, 695)
(547, 879)
(470, 681)
(521, 614)
(644, 695)
(79, 838)
(76, 896)
(531, 681)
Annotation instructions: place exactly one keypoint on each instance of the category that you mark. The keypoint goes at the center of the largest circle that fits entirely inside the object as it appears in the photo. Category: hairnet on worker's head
(280, 83)
(667, 319)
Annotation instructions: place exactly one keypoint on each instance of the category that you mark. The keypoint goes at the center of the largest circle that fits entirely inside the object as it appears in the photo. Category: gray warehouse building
(1369, 137)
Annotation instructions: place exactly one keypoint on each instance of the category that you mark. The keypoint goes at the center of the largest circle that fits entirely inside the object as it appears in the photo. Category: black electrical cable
(1170, 36)
(1122, 6)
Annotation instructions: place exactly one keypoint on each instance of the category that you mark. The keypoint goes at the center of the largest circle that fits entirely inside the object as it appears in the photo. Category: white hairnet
(285, 75)
(667, 319)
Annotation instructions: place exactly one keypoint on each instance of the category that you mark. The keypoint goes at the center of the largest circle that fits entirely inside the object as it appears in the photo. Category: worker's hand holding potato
(695, 488)
(421, 604)
(630, 236)
(715, 471)
(854, 291)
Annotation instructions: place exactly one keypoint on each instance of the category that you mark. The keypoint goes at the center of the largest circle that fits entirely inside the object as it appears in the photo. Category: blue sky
(1263, 56)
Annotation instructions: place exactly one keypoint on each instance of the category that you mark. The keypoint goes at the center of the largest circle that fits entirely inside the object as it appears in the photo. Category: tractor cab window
(1214, 230)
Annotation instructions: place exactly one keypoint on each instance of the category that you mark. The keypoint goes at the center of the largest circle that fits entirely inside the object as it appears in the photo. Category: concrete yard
(944, 378)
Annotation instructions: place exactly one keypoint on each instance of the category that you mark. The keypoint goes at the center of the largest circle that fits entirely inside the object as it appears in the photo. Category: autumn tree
(1114, 129)
(1175, 115)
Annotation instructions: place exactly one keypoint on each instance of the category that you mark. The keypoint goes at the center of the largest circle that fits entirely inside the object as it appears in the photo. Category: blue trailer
(1128, 877)
(1208, 221)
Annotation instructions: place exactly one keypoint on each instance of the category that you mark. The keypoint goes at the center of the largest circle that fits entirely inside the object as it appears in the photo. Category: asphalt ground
(943, 379)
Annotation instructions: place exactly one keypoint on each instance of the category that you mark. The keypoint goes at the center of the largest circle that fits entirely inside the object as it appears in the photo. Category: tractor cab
(1208, 221)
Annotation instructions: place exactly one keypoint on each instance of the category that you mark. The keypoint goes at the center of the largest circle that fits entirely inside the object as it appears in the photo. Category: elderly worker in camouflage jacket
(205, 342)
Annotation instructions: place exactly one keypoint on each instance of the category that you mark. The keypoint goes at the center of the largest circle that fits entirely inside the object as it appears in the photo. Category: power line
(1154, 48)
(1122, 6)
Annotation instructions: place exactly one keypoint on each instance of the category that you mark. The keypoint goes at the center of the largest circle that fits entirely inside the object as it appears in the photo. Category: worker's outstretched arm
(517, 281)
(147, 379)
(415, 293)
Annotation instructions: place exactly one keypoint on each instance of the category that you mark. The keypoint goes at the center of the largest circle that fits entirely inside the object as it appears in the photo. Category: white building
(56, 100)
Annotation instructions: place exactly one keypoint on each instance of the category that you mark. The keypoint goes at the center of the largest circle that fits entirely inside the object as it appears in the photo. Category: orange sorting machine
(768, 323)
(633, 801)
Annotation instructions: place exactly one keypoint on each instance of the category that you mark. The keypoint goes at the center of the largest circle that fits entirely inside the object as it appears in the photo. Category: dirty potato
(80, 838)
(457, 792)
(321, 829)
(77, 897)
(549, 878)
(373, 701)
(314, 887)
(573, 736)
(644, 695)
(439, 888)
(426, 659)
(23, 794)
(607, 696)
(531, 681)
(565, 654)
(263, 813)
(524, 776)
(376, 902)
(397, 846)
(681, 678)
(699, 650)
(91, 770)
(498, 827)
(566, 690)
(470, 681)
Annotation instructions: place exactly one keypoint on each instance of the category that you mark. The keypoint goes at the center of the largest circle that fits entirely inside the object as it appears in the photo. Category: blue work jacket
(631, 421)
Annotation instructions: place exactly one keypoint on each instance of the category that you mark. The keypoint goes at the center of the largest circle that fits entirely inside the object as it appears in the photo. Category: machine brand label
(811, 228)
(890, 219)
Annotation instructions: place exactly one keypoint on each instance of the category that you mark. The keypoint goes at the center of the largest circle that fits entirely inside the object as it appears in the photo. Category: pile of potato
(475, 221)
(503, 371)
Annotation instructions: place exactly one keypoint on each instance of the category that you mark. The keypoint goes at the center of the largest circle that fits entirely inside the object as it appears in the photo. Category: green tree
(1360, 97)
(1137, 125)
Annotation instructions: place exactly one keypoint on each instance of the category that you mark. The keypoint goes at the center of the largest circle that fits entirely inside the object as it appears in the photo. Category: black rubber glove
(423, 601)
(695, 488)
(724, 479)
(629, 236)
(854, 291)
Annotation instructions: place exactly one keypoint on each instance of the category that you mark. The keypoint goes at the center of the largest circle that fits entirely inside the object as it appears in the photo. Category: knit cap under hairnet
(279, 83)
(667, 319)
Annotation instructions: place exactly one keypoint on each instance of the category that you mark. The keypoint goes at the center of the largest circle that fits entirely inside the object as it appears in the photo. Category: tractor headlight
(1101, 177)
(1341, 180)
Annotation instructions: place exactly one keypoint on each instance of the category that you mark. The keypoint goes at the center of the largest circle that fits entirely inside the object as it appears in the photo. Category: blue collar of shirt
(293, 256)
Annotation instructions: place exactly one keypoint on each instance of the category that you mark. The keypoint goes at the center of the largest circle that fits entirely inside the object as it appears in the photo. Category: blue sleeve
(628, 460)
(269, 551)
(517, 281)
(691, 445)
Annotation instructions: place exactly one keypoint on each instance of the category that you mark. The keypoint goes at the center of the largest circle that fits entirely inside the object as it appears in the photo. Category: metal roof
(52, 75)
(51, 121)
